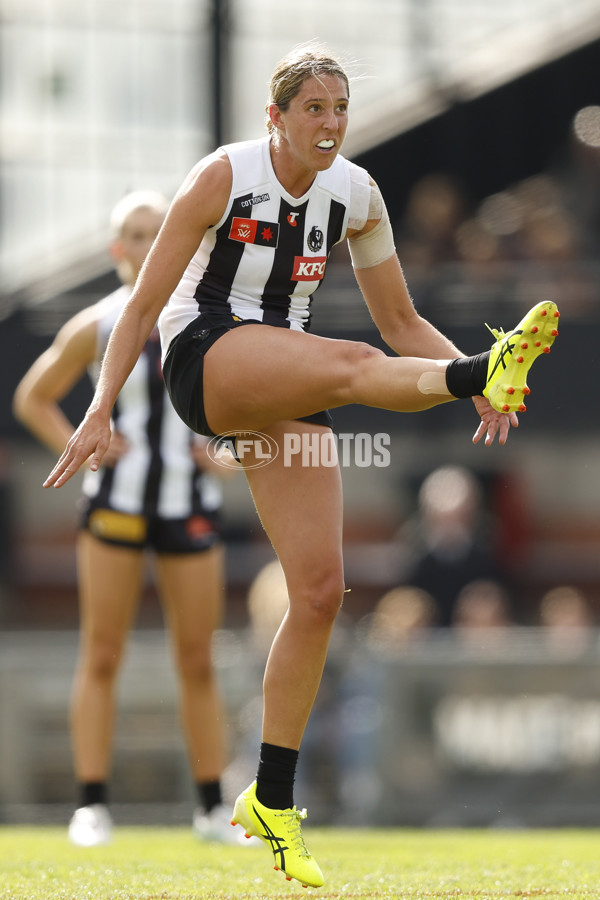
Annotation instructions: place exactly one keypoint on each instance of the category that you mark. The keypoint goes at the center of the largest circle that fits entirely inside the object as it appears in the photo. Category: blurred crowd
(550, 217)
(465, 608)
(451, 582)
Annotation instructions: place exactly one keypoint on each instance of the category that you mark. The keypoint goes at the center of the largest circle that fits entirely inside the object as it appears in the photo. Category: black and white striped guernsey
(267, 256)
(157, 476)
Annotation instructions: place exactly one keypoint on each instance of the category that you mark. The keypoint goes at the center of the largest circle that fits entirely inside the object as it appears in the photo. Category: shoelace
(498, 333)
(294, 817)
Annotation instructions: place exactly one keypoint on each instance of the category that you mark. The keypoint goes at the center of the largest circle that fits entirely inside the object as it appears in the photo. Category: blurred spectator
(526, 221)
(548, 232)
(568, 619)
(451, 538)
(482, 610)
(552, 216)
(578, 174)
(477, 244)
(401, 615)
(436, 207)
(268, 602)
(549, 235)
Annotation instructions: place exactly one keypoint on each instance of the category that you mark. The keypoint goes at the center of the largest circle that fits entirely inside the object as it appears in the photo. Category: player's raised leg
(306, 373)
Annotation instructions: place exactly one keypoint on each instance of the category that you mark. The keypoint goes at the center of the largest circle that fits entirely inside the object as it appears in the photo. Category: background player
(152, 492)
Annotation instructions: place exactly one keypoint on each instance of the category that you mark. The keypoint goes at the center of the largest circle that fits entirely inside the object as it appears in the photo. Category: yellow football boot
(513, 354)
(280, 830)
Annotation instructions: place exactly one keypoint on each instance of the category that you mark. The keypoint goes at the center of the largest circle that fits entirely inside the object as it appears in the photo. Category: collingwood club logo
(315, 239)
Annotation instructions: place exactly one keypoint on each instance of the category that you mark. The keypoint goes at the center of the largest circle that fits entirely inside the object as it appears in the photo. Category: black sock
(466, 377)
(275, 778)
(91, 792)
(209, 794)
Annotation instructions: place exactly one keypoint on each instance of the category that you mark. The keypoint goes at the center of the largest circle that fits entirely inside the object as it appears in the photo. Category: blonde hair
(130, 203)
(304, 61)
(401, 614)
(565, 605)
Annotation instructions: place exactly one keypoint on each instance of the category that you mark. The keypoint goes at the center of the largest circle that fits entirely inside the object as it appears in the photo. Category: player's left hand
(492, 422)
(91, 439)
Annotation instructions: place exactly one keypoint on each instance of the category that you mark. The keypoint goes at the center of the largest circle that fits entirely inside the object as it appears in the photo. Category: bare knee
(365, 354)
(101, 660)
(195, 663)
(358, 358)
(317, 601)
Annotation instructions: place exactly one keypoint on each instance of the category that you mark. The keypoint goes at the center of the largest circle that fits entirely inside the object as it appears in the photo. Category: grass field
(168, 864)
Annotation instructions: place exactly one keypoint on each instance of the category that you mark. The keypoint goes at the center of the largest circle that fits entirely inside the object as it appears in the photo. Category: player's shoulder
(344, 176)
(255, 147)
(210, 177)
(250, 163)
(351, 184)
(83, 323)
(357, 173)
(77, 338)
(105, 314)
(110, 307)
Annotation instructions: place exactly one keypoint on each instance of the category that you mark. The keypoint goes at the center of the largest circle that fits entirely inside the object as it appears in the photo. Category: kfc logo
(309, 268)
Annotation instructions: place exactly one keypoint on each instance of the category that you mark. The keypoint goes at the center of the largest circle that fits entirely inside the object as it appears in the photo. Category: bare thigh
(191, 589)
(257, 375)
(110, 581)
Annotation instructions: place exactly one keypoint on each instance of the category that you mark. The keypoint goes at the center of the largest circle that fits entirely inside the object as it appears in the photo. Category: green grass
(391, 864)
